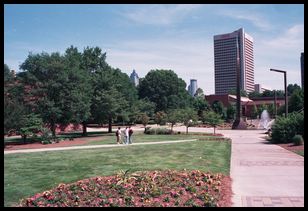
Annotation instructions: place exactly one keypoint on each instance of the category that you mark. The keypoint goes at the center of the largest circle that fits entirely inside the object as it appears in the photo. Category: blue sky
(145, 37)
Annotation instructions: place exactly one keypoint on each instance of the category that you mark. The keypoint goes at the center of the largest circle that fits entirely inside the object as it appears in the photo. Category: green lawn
(30, 173)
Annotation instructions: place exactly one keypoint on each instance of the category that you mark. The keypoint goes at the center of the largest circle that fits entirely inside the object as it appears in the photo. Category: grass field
(27, 174)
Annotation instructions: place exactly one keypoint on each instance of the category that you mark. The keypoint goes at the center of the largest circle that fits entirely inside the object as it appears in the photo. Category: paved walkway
(264, 175)
(92, 146)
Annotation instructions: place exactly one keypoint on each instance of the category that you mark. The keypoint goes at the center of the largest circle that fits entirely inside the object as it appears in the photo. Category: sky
(176, 37)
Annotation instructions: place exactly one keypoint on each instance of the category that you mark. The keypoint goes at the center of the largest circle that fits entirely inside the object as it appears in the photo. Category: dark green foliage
(30, 125)
(243, 93)
(165, 89)
(230, 112)
(254, 112)
(157, 131)
(298, 140)
(292, 88)
(46, 136)
(200, 105)
(284, 129)
(219, 108)
(296, 101)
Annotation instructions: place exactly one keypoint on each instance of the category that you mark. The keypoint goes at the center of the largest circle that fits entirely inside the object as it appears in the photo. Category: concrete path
(93, 146)
(264, 175)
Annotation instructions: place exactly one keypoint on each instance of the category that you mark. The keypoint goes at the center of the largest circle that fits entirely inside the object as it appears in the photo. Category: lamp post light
(285, 89)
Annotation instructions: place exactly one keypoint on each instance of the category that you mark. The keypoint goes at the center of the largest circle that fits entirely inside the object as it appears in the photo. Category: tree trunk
(110, 124)
(171, 128)
(214, 130)
(53, 129)
(24, 137)
(84, 129)
(186, 130)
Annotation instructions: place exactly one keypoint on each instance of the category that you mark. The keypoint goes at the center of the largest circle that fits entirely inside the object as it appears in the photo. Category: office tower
(134, 78)
(302, 69)
(225, 57)
(192, 88)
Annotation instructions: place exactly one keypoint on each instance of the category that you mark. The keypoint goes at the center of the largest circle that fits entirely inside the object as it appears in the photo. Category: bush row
(157, 131)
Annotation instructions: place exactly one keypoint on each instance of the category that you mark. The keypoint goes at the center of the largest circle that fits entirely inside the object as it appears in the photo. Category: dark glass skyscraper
(225, 57)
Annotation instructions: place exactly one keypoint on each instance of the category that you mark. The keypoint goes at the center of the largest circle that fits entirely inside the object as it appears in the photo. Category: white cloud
(187, 58)
(256, 19)
(160, 14)
(293, 37)
(282, 52)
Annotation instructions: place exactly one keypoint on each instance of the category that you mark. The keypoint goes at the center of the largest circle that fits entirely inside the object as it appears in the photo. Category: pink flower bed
(167, 188)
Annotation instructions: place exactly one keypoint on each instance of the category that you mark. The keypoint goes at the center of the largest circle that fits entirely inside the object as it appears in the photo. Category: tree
(77, 91)
(292, 88)
(219, 108)
(242, 92)
(14, 106)
(144, 119)
(31, 124)
(230, 112)
(254, 94)
(199, 93)
(212, 119)
(160, 118)
(189, 117)
(174, 116)
(49, 101)
(200, 105)
(165, 89)
(296, 101)
(254, 112)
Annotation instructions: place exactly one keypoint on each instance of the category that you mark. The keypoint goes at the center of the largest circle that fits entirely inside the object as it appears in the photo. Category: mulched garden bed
(292, 147)
(168, 188)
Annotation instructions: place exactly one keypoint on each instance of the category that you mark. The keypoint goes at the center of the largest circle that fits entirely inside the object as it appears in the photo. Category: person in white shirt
(126, 135)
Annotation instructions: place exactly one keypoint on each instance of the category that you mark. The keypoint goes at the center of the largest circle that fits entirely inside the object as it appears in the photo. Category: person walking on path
(126, 135)
(118, 134)
(130, 133)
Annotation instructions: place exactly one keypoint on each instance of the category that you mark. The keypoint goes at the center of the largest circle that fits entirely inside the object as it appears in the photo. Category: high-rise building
(192, 88)
(134, 78)
(225, 59)
(302, 69)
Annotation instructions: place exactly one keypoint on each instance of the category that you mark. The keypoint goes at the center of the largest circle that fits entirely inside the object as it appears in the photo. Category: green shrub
(46, 136)
(284, 129)
(298, 140)
(162, 131)
(157, 131)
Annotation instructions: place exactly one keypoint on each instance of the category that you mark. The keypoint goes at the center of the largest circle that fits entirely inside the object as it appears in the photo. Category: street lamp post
(285, 89)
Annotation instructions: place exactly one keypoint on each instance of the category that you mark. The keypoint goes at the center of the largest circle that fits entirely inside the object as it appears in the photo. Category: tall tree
(213, 119)
(189, 117)
(165, 89)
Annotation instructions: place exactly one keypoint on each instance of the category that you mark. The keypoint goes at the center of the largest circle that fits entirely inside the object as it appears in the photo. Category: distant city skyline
(145, 37)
